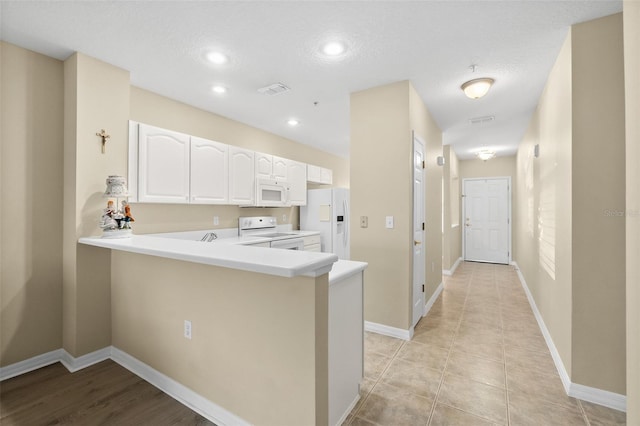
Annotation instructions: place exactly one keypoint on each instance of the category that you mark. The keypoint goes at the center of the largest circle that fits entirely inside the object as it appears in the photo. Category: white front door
(487, 218)
(418, 230)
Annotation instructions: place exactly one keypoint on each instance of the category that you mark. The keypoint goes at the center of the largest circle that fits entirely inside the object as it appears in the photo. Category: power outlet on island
(216, 221)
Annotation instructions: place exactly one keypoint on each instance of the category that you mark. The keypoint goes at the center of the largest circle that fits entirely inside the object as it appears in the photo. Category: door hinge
(423, 288)
(423, 164)
(423, 226)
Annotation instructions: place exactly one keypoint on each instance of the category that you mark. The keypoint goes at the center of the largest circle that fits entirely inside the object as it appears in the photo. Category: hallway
(477, 358)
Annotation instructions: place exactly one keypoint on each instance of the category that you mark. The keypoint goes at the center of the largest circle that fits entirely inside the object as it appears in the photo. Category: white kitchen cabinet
(163, 165)
(297, 173)
(270, 166)
(326, 176)
(241, 176)
(312, 243)
(317, 174)
(209, 172)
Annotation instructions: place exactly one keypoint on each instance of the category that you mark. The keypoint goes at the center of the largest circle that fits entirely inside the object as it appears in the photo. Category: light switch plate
(364, 221)
(389, 222)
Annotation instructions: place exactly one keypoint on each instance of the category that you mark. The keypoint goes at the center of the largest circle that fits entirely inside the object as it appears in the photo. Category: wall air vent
(274, 89)
(482, 120)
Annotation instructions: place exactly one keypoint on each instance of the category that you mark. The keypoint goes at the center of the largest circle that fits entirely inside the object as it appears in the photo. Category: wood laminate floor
(103, 394)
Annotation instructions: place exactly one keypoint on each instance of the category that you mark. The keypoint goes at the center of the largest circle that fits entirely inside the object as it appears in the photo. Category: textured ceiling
(431, 43)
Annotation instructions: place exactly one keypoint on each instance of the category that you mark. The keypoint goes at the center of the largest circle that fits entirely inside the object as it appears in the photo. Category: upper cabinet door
(297, 173)
(264, 165)
(242, 177)
(163, 165)
(280, 168)
(209, 172)
(317, 174)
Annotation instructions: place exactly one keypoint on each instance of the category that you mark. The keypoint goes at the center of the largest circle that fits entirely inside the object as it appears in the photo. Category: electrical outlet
(187, 329)
(216, 220)
(284, 217)
(389, 222)
(364, 221)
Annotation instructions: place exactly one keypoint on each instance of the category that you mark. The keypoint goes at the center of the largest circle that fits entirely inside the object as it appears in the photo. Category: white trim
(348, 410)
(22, 367)
(599, 396)
(574, 390)
(74, 364)
(450, 272)
(432, 299)
(177, 391)
(386, 330)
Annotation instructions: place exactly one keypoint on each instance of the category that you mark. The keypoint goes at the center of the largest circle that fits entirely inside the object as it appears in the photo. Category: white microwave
(272, 193)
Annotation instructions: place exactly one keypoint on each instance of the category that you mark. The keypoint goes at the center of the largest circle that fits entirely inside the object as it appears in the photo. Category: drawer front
(313, 247)
(311, 239)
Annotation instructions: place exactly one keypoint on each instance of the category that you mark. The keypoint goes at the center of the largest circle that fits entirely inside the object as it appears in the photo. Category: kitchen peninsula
(276, 335)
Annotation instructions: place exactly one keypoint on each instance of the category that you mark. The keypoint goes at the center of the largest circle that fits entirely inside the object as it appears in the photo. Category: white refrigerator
(327, 211)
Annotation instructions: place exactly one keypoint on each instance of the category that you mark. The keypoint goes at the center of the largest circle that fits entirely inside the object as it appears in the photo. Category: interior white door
(418, 230)
(487, 220)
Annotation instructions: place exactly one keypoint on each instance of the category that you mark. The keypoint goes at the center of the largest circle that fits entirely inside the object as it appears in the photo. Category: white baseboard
(451, 271)
(432, 299)
(30, 364)
(177, 391)
(348, 410)
(574, 390)
(386, 330)
(84, 361)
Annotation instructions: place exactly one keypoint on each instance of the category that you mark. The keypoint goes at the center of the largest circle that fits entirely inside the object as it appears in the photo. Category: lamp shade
(477, 88)
(116, 187)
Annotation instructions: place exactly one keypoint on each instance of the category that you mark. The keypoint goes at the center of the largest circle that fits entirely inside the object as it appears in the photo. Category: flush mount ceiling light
(485, 154)
(217, 58)
(219, 89)
(333, 48)
(477, 87)
(292, 122)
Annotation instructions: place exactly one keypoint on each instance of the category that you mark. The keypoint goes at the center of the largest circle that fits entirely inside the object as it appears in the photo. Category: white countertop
(224, 252)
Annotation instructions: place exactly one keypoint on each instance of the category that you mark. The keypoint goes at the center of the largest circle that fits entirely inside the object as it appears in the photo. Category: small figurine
(127, 218)
(107, 221)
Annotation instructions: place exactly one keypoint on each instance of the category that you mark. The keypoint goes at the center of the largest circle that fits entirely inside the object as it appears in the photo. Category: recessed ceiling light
(292, 122)
(217, 58)
(333, 48)
(219, 89)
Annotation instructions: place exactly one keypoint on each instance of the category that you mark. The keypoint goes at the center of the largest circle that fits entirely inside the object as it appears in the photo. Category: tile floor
(477, 358)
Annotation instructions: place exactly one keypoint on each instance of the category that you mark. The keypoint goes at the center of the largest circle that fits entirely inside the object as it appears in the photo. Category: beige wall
(150, 108)
(380, 159)
(632, 91)
(30, 202)
(96, 97)
(498, 166)
(598, 187)
(382, 120)
(570, 246)
(451, 236)
(259, 344)
(547, 268)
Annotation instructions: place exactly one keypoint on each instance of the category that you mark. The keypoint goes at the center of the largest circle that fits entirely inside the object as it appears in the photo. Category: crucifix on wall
(104, 137)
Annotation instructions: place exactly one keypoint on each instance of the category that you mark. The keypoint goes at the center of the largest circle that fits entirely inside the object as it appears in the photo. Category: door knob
(467, 224)
(415, 243)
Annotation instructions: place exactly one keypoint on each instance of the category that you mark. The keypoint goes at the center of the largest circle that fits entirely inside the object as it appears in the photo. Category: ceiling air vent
(482, 120)
(274, 89)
